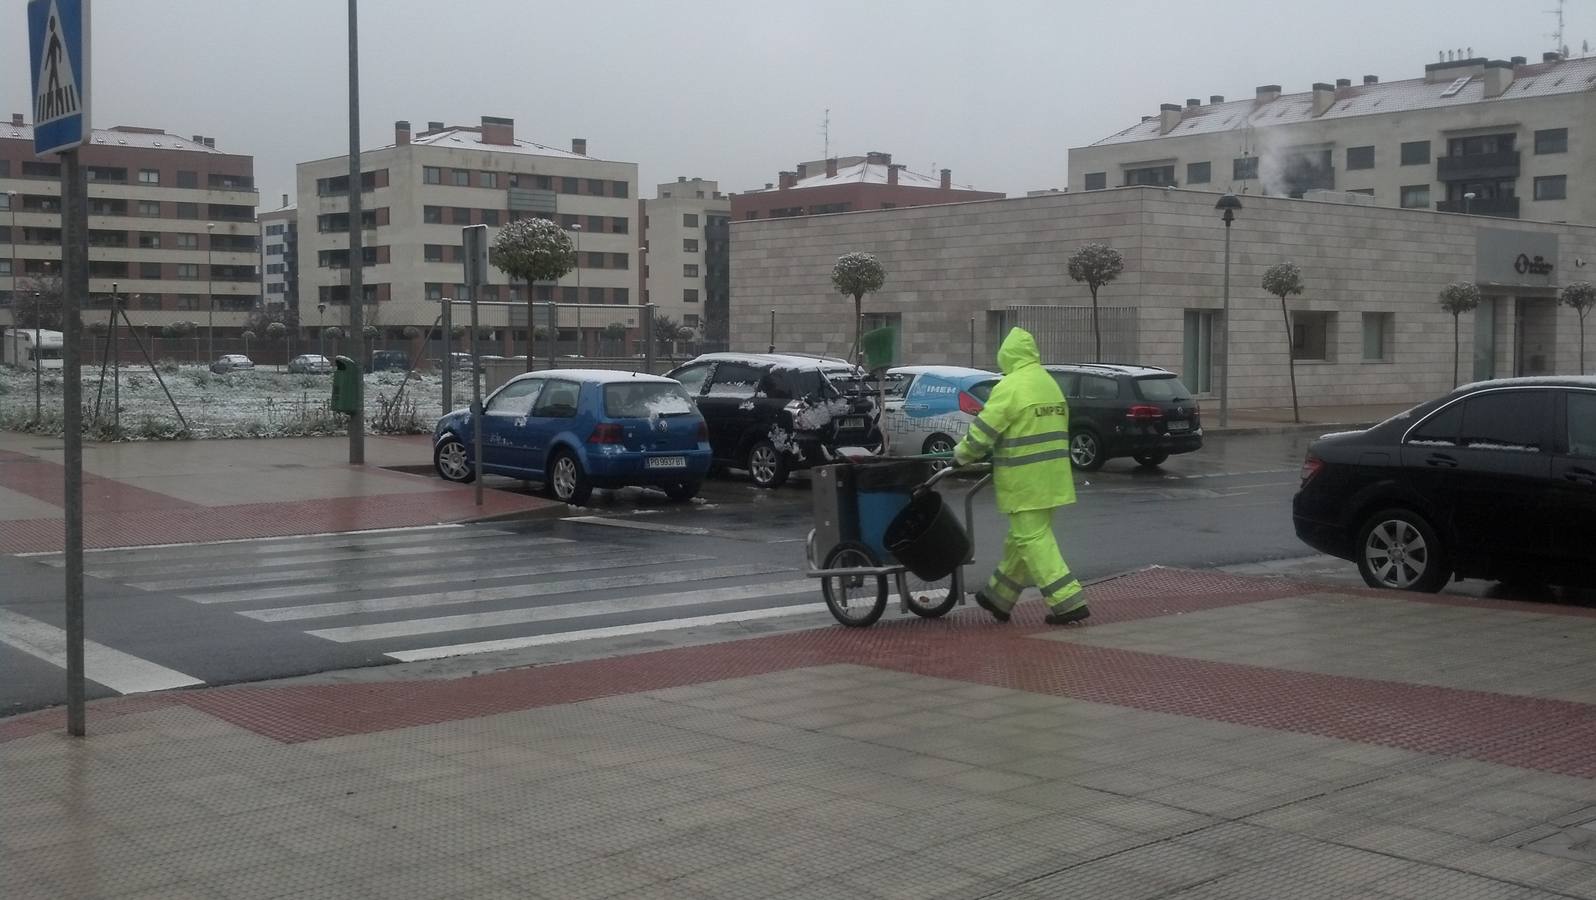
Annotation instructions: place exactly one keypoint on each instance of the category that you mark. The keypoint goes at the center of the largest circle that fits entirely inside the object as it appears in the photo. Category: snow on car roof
(943, 371)
(594, 376)
(777, 359)
(1120, 368)
(1588, 381)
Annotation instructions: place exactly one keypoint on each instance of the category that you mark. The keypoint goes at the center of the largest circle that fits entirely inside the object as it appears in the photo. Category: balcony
(1501, 207)
(1478, 166)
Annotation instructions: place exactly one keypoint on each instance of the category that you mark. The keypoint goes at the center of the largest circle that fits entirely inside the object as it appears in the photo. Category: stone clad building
(1368, 328)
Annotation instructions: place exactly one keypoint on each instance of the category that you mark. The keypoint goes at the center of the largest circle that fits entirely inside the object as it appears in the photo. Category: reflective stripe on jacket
(1025, 429)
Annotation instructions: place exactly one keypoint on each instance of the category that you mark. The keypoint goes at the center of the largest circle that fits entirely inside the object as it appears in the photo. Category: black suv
(1495, 480)
(389, 361)
(770, 414)
(1137, 411)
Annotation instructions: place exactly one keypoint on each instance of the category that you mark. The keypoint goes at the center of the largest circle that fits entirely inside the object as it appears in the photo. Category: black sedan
(1496, 480)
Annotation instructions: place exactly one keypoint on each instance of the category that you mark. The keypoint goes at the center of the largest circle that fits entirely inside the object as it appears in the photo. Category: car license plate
(667, 462)
(855, 422)
(1175, 427)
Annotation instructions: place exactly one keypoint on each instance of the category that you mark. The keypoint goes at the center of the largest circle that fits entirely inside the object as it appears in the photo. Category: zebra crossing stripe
(121, 672)
(511, 592)
(566, 637)
(281, 544)
(356, 583)
(334, 553)
(468, 621)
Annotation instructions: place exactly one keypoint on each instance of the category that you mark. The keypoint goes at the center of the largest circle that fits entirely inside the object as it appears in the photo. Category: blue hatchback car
(580, 429)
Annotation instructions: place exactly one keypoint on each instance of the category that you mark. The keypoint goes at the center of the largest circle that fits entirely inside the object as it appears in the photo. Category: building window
(619, 226)
(432, 253)
(619, 189)
(620, 261)
(462, 178)
(188, 210)
(1551, 140)
(431, 175)
(187, 179)
(149, 240)
(595, 224)
(1360, 157)
(432, 215)
(150, 270)
(1310, 335)
(1199, 173)
(1378, 336)
(151, 208)
(689, 246)
(274, 249)
(1244, 168)
(690, 270)
(690, 295)
(690, 320)
(570, 185)
(460, 215)
(149, 176)
(488, 179)
(1415, 153)
(1416, 196)
(490, 217)
(689, 220)
(274, 229)
(1096, 181)
(1551, 187)
(1157, 176)
(187, 241)
(597, 260)
(1201, 325)
(434, 290)
(187, 271)
(595, 187)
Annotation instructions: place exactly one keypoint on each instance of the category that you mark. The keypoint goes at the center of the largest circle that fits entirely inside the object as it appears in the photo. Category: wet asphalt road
(630, 566)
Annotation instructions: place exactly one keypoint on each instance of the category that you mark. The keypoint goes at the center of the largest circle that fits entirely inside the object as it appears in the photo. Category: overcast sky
(735, 90)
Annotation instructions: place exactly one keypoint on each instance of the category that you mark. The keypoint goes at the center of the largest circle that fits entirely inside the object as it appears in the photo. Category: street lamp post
(581, 344)
(38, 360)
(1228, 204)
(210, 314)
(1468, 200)
(321, 331)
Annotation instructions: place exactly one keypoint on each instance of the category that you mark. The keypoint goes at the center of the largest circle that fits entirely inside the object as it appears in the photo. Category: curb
(1293, 428)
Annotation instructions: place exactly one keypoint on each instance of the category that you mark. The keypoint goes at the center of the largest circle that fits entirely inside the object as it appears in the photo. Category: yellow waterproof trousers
(1031, 558)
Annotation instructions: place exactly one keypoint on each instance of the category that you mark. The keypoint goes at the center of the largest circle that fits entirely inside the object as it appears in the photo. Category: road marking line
(121, 672)
(614, 561)
(137, 569)
(461, 557)
(274, 545)
(468, 621)
(513, 592)
(565, 637)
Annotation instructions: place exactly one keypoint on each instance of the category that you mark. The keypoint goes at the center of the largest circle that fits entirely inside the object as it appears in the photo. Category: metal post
(554, 331)
(648, 338)
(75, 255)
(116, 365)
(210, 294)
(476, 396)
(448, 354)
(1224, 347)
(38, 371)
(357, 255)
(772, 331)
(972, 342)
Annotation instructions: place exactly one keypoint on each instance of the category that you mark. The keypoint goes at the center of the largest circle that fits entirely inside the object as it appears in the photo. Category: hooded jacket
(1025, 428)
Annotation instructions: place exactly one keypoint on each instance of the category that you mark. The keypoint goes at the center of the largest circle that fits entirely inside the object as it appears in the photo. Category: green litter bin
(880, 348)
(345, 386)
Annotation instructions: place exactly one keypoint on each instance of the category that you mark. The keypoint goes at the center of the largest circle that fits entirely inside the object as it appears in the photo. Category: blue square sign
(58, 53)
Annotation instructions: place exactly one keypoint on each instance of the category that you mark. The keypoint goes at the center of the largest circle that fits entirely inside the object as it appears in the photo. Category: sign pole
(448, 353)
(75, 241)
(357, 254)
(474, 244)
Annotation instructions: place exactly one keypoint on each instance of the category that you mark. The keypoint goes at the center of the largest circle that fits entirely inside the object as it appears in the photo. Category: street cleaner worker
(1025, 429)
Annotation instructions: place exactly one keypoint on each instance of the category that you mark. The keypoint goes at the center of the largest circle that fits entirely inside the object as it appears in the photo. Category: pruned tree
(533, 250)
(614, 333)
(38, 304)
(275, 332)
(186, 329)
(412, 332)
(246, 335)
(333, 333)
(1096, 265)
(97, 330)
(1458, 298)
(1579, 296)
(1285, 280)
(855, 275)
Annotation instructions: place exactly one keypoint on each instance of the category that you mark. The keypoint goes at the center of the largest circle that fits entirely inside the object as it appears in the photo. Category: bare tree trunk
(1582, 341)
(1097, 331)
(858, 329)
(1455, 350)
(1291, 360)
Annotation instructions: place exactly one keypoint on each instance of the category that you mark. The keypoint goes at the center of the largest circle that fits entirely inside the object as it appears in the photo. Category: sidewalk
(1206, 736)
(162, 492)
(1265, 421)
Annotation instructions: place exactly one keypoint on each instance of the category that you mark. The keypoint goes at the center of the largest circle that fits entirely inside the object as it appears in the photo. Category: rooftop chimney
(803, 171)
(401, 133)
(1498, 77)
(892, 172)
(198, 138)
(1551, 56)
(831, 167)
(579, 146)
(1518, 60)
(786, 179)
(210, 142)
(16, 120)
(1324, 97)
(434, 126)
(947, 179)
(1168, 117)
(1216, 99)
(1193, 103)
(768, 185)
(877, 158)
(1268, 93)
(285, 201)
(497, 130)
(1343, 83)
(1371, 79)
(681, 178)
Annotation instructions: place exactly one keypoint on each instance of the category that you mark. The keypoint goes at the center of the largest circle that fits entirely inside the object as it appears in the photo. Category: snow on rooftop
(104, 137)
(868, 173)
(1536, 80)
(471, 138)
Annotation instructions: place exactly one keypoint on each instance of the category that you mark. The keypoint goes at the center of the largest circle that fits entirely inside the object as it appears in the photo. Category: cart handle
(980, 468)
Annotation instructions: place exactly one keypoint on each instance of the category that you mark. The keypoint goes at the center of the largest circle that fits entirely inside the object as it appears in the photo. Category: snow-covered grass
(258, 403)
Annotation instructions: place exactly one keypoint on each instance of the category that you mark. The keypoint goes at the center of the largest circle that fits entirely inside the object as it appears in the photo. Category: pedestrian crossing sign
(58, 44)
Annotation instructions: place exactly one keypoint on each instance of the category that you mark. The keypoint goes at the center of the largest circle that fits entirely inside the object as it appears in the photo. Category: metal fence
(1064, 333)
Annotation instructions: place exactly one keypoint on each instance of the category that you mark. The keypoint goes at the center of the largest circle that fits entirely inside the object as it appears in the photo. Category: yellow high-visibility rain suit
(1025, 428)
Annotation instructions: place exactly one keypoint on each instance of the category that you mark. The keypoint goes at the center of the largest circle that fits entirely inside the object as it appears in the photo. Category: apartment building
(279, 253)
(420, 190)
(850, 184)
(1505, 138)
(171, 224)
(686, 269)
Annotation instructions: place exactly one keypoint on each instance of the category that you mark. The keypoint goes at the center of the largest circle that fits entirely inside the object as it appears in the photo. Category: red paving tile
(1546, 735)
(44, 480)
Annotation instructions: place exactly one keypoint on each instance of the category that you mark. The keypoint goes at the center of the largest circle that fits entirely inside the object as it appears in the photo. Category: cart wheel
(930, 599)
(854, 600)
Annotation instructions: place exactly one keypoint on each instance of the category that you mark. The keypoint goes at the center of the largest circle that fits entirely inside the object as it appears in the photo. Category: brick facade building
(850, 184)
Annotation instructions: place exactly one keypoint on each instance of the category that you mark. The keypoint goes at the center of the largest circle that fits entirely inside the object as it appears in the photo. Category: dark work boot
(1076, 614)
(985, 602)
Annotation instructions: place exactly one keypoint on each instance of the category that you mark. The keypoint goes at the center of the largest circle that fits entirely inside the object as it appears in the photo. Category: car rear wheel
(767, 465)
(567, 481)
(1151, 460)
(1086, 451)
(1399, 550)
(682, 491)
(939, 443)
(451, 461)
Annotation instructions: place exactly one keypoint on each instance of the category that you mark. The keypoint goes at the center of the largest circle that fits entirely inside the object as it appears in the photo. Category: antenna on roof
(1557, 36)
(825, 131)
